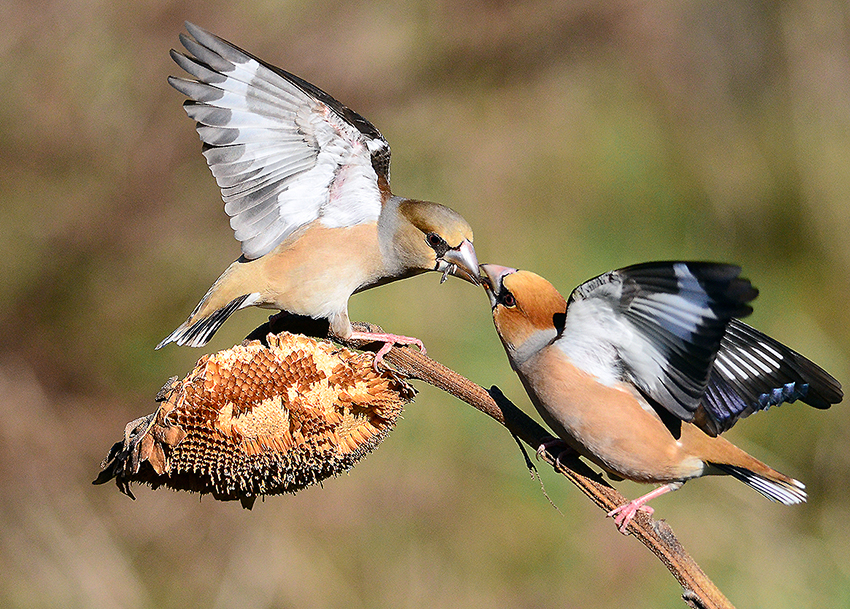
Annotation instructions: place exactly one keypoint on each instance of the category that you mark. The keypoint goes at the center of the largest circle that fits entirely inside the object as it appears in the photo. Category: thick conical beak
(491, 277)
(460, 262)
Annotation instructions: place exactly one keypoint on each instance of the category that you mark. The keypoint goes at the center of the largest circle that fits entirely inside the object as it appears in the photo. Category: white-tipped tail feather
(790, 492)
(199, 332)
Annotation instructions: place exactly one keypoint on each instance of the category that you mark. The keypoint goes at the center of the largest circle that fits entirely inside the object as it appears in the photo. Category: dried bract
(261, 420)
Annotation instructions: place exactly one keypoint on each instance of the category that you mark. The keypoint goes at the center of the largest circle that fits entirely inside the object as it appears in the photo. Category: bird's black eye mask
(505, 298)
(437, 243)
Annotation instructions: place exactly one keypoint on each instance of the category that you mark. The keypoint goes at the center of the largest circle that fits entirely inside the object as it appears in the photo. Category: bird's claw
(624, 514)
(553, 442)
(379, 356)
(389, 341)
(550, 442)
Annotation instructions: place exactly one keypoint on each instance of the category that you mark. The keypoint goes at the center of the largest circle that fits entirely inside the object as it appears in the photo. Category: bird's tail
(227, 294)
(199, 329)
(725, 458)
(770, 483)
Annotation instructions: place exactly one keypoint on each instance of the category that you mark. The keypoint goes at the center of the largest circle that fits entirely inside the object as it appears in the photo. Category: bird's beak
(460, 262)
(491, 278)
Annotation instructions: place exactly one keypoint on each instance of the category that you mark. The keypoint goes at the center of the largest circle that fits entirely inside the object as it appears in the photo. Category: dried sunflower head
(261, 420)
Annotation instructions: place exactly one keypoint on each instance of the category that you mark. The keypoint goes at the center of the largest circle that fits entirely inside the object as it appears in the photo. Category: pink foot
(623, 515)
(553, 442)
(389, 340)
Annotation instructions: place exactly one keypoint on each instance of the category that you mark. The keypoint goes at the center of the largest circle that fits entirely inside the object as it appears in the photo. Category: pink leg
(389, 340)
(623, 515)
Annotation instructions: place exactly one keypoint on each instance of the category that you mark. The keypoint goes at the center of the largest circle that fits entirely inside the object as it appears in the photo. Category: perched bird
(305, 181)
(643, 367)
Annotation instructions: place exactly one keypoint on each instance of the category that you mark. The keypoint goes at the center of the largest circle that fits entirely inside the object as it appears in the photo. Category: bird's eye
(434, 240)
(508, 300)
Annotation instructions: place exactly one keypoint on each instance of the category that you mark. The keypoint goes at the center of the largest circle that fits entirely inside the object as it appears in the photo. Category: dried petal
(255, 420)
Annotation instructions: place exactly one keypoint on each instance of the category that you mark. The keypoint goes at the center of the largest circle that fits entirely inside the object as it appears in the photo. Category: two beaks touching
(639, 371)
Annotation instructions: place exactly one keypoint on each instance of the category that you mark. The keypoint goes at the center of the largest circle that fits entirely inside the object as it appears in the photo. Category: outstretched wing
(657, 325)
(754, 372)
(283, 152)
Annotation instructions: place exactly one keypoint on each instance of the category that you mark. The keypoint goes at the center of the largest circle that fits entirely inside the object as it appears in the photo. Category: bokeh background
(575, 137)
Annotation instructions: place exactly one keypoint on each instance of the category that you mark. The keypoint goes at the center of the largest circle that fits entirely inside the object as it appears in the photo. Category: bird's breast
(317, 272)
(608, 424)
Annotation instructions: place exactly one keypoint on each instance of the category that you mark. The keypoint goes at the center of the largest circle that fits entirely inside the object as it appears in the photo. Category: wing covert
(283, 152)
(657, 325)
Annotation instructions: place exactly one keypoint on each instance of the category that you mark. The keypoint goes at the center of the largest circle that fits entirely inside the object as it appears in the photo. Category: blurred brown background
(575, 137)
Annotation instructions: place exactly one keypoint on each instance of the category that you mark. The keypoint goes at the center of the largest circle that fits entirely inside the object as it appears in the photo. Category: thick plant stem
(699, 591)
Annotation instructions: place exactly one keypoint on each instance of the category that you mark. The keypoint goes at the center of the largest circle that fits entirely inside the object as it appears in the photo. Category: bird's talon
(624, 514)
(553, 442)
(389, 340)
(379, 356)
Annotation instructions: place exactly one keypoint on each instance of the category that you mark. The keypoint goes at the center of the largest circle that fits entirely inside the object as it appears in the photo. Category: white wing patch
(592, 331)
(282, 157)
(657, 326)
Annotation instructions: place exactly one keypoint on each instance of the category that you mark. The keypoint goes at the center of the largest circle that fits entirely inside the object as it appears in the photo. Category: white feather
(292, 159)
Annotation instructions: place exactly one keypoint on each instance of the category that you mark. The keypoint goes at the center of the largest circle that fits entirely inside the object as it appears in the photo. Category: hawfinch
(305, 182)
(644, 367)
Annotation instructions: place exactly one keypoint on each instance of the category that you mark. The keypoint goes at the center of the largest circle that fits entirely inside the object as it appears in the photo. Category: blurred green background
(575, 137)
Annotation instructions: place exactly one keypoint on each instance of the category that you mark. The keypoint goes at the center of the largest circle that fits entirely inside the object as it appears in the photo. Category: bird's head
(432, 237)
(528, 311)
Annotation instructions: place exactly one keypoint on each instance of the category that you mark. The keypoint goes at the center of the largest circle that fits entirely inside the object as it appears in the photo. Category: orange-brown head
(528, 311)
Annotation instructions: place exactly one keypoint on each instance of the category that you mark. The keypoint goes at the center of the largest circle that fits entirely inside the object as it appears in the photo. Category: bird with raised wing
(644, 367)
(305, 181)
